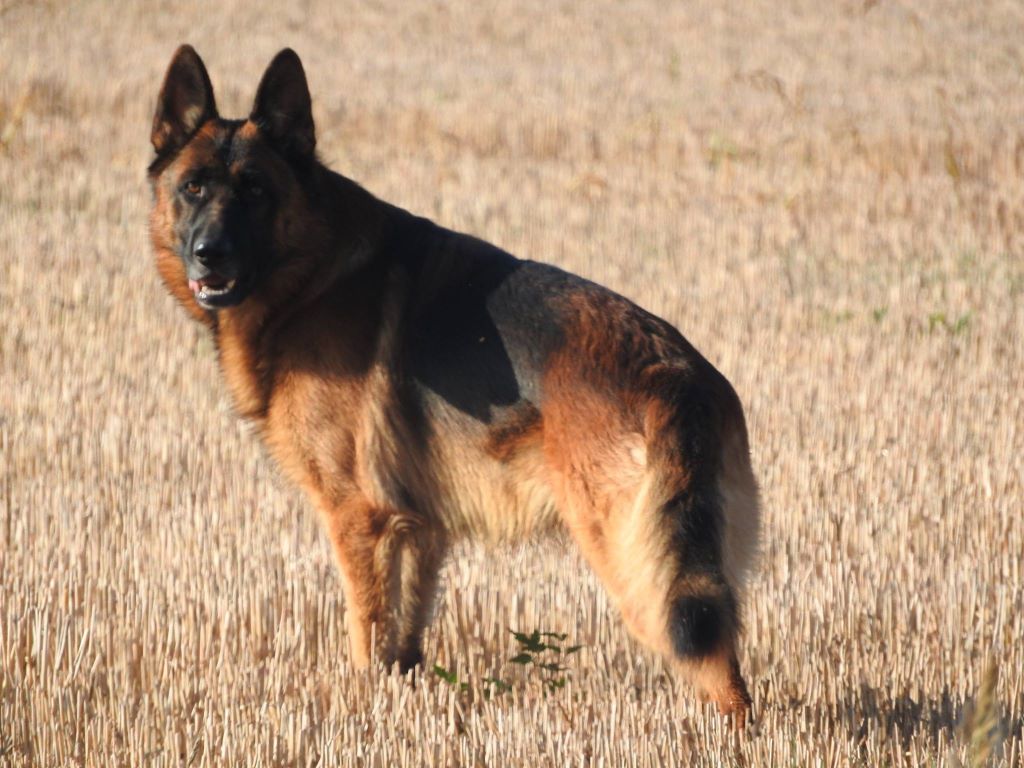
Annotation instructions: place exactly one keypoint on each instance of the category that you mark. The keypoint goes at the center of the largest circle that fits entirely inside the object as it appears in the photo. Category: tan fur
(740, 510)
(718, 679)
(495, 502)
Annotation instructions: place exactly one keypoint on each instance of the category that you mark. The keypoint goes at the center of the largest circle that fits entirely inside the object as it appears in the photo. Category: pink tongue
(193, 286)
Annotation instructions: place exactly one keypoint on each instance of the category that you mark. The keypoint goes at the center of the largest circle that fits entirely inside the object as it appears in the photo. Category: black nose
(210, 251)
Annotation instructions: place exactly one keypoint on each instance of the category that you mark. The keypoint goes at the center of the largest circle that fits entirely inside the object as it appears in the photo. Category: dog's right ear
(185, 102)
(282, 108)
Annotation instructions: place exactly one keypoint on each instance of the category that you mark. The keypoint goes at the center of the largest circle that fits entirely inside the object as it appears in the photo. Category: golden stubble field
(828, 203)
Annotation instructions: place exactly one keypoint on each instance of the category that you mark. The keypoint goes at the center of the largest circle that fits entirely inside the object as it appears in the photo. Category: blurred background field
(826, 201)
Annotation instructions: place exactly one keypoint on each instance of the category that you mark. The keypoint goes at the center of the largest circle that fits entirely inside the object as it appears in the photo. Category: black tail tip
(695, 626)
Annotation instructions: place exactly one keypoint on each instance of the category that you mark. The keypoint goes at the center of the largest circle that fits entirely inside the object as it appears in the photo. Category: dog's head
(229, 195)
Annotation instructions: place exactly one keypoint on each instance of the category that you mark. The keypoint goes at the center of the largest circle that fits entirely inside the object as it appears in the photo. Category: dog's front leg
(389, 564)
(362, 539)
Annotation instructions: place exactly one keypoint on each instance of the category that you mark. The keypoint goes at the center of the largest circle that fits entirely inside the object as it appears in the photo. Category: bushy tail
(696, 625)
(702, 611)
(703, 614)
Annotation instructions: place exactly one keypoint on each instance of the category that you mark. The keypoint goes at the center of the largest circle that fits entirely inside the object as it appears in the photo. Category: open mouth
(214, 290)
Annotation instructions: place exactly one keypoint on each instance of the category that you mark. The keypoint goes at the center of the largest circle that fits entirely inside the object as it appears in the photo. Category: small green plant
(722, 149)
(496, 686)
(450, 677)
(879, 313)
(952, 165)
(832, 317)
(675, 68)
(542, 652)
(953, 327)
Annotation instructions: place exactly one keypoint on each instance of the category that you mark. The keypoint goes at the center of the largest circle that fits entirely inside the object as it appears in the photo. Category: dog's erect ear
(185, 102)
(283, 110)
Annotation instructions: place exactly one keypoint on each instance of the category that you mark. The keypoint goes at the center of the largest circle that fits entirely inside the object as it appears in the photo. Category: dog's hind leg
(663, 540)
(389, 568)
(704, 506)
(418, 557)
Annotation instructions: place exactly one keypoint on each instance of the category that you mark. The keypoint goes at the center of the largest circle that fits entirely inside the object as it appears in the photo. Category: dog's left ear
(283, 109)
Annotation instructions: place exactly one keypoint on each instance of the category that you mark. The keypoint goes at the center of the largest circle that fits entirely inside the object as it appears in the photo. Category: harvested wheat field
(828, 203)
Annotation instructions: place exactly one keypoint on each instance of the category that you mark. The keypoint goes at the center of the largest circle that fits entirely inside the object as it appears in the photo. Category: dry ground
(827, 202)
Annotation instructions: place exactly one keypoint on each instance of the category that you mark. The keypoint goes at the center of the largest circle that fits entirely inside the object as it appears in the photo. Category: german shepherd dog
(422, 385)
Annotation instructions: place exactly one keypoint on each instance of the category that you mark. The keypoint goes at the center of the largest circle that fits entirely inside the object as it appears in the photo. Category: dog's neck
(342, 238)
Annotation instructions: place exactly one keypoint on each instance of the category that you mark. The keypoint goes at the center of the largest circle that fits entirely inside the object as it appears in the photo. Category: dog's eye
(194, 189)
(254, 190)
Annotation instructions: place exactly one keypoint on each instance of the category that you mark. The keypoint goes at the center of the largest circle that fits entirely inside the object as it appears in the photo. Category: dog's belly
(491, 481)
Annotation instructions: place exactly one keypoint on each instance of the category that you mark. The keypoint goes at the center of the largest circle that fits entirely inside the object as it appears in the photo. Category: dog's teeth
(208, 290)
